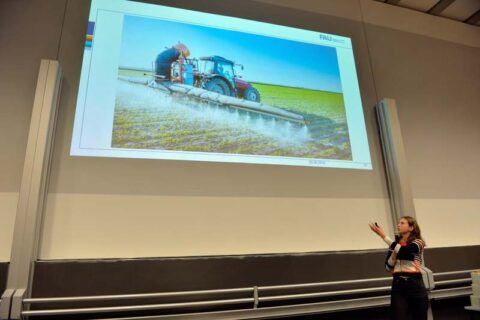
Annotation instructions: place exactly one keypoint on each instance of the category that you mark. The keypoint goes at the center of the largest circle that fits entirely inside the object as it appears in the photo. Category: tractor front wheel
(252, 94)
(219, 86)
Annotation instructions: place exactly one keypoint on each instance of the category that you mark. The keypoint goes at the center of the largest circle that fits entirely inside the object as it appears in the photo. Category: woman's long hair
(416, 233)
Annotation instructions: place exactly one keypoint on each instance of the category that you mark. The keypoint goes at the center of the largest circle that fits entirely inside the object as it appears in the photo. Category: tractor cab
(216, 66)
(217, 74)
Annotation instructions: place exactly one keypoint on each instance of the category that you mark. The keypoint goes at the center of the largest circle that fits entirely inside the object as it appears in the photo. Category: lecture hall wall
(126, 208)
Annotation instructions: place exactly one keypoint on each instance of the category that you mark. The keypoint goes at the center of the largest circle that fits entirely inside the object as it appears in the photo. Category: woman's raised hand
(378, 230)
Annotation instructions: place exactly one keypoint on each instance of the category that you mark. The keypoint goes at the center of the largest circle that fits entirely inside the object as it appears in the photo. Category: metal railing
(134, 296)
(257, 296)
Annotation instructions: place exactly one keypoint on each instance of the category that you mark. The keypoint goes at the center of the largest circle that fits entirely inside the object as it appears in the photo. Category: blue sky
(265, 59)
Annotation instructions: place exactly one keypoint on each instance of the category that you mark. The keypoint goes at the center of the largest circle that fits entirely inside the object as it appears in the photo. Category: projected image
(186, 87)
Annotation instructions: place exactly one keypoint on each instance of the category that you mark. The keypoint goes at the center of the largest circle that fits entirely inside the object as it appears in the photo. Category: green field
(177, 125)
(306, 101)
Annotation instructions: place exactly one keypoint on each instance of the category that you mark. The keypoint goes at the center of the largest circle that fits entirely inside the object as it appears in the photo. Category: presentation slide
(167, 83)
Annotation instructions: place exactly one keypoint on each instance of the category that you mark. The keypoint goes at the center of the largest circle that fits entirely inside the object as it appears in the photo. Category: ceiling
(465, 11)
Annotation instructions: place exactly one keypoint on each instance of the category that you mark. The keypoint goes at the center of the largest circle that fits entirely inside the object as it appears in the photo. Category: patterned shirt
(409, 256)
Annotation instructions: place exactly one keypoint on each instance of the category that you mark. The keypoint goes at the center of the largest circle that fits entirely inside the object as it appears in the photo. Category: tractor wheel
(219, 86)
(252, 94)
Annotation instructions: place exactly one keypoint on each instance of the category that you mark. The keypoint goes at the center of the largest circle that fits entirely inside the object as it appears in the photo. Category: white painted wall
(8, 206)
(148, 226)
(449, 222)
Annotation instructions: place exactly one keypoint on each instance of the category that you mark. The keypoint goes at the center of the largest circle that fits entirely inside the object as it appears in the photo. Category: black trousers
(409, 298)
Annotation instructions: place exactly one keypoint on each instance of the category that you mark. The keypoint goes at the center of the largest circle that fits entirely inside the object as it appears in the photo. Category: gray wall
(436, 85)
(29, 31)
(101, 207)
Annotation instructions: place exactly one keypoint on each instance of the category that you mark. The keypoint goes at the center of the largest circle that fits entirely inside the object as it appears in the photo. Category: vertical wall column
(33, 190)
(401, 199)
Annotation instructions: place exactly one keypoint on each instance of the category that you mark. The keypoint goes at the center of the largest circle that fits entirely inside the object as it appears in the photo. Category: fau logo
(325, 37)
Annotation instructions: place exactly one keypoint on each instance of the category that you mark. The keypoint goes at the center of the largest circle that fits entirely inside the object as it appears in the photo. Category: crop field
(147, 118)
(306, 101)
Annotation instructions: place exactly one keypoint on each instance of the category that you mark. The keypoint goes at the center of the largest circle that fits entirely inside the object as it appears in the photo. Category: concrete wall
(104, 208)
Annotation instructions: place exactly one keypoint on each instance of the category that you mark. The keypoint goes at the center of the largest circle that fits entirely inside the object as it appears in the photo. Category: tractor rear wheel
(252, 94)
(219, 86)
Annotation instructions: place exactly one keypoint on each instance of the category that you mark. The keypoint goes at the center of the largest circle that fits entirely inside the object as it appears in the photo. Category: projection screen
(166, 83)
